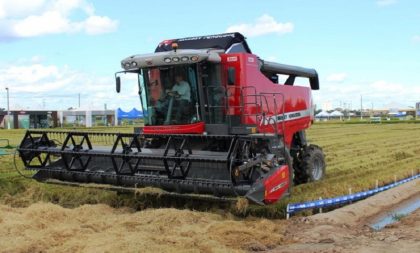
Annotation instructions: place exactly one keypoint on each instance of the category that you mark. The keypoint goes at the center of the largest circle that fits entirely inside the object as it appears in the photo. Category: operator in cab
(181, 92)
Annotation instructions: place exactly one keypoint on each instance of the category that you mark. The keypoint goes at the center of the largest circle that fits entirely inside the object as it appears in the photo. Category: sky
(53, 50)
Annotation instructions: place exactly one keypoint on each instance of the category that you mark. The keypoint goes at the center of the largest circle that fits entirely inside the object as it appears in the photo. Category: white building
(87, 118)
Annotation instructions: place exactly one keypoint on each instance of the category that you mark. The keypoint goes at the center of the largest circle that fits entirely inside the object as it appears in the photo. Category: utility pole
(372, 114)
(79, 101)
(348, 108)
(105, 115)
(361, 107)
(8, 109)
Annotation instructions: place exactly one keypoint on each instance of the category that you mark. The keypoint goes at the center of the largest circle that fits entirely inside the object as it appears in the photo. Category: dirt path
(45, 227)
(346, 229)
(403, 236)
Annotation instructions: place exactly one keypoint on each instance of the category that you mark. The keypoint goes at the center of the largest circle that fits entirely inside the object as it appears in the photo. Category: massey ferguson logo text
(285, 117)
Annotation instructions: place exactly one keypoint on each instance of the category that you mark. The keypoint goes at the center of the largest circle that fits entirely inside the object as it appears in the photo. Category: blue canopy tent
(133, 114)
(130, 115)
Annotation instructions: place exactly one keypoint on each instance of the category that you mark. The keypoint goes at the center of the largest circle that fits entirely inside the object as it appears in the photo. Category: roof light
(174, 46)
(184, 58)
(127, 65)
(167, 60)
(175, 59)
(134, 64)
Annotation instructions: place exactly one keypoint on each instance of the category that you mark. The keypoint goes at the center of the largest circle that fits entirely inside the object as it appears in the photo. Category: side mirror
(118, 84)
(231, 76)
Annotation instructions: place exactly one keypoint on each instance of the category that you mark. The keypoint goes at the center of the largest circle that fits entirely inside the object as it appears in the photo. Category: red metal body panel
(276, 185)
(287, 99)
(195, 128)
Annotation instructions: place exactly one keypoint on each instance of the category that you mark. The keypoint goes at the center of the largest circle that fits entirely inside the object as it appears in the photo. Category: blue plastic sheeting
(133, 114)
(296, 207)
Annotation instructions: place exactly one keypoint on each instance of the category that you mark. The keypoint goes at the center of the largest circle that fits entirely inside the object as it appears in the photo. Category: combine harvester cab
(217, 122)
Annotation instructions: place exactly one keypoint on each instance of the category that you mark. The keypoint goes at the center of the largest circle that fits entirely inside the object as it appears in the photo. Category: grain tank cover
(229, 42)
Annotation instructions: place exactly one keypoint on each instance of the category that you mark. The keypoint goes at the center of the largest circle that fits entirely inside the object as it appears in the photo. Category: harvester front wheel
(310, 165)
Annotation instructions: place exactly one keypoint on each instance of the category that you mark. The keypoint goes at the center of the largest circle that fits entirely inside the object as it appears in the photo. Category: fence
(344, 199)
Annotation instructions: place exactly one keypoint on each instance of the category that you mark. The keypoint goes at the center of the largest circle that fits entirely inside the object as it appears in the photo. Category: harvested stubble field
(357, 155)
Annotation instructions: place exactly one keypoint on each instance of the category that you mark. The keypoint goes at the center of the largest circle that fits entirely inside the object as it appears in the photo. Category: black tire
(310, 165)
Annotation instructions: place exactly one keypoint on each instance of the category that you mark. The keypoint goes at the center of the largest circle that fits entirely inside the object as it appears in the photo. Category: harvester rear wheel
(309, 165)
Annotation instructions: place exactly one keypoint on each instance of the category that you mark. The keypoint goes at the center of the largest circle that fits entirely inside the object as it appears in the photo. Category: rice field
(358, 157)
(359, 154)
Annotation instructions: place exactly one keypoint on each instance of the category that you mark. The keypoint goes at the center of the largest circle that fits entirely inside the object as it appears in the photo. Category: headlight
(194, 58)
(167, 60)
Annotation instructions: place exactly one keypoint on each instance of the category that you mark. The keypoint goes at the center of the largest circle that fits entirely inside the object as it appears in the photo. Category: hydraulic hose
(16, 168)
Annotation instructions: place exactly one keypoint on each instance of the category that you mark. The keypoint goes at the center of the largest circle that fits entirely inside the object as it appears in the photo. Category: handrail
(227, 92)
(259, 104)
(275, 112)
(260, 100)
(275, 106)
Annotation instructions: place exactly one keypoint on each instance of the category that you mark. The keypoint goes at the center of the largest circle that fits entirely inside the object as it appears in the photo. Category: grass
(398, 216)
(357, 155)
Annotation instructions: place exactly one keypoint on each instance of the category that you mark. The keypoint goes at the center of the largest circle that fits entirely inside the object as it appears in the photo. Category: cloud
(42, 17)
(32, 85)
(383, 86)
(30, 75)
(377, 93)
(337, 77)
(263, 25)
(46, 23)
(416, 39)
(385, 2)
(19, 8)
(98, 25)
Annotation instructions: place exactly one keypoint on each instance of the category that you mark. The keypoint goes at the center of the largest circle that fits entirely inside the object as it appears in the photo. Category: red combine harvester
(216, 121)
